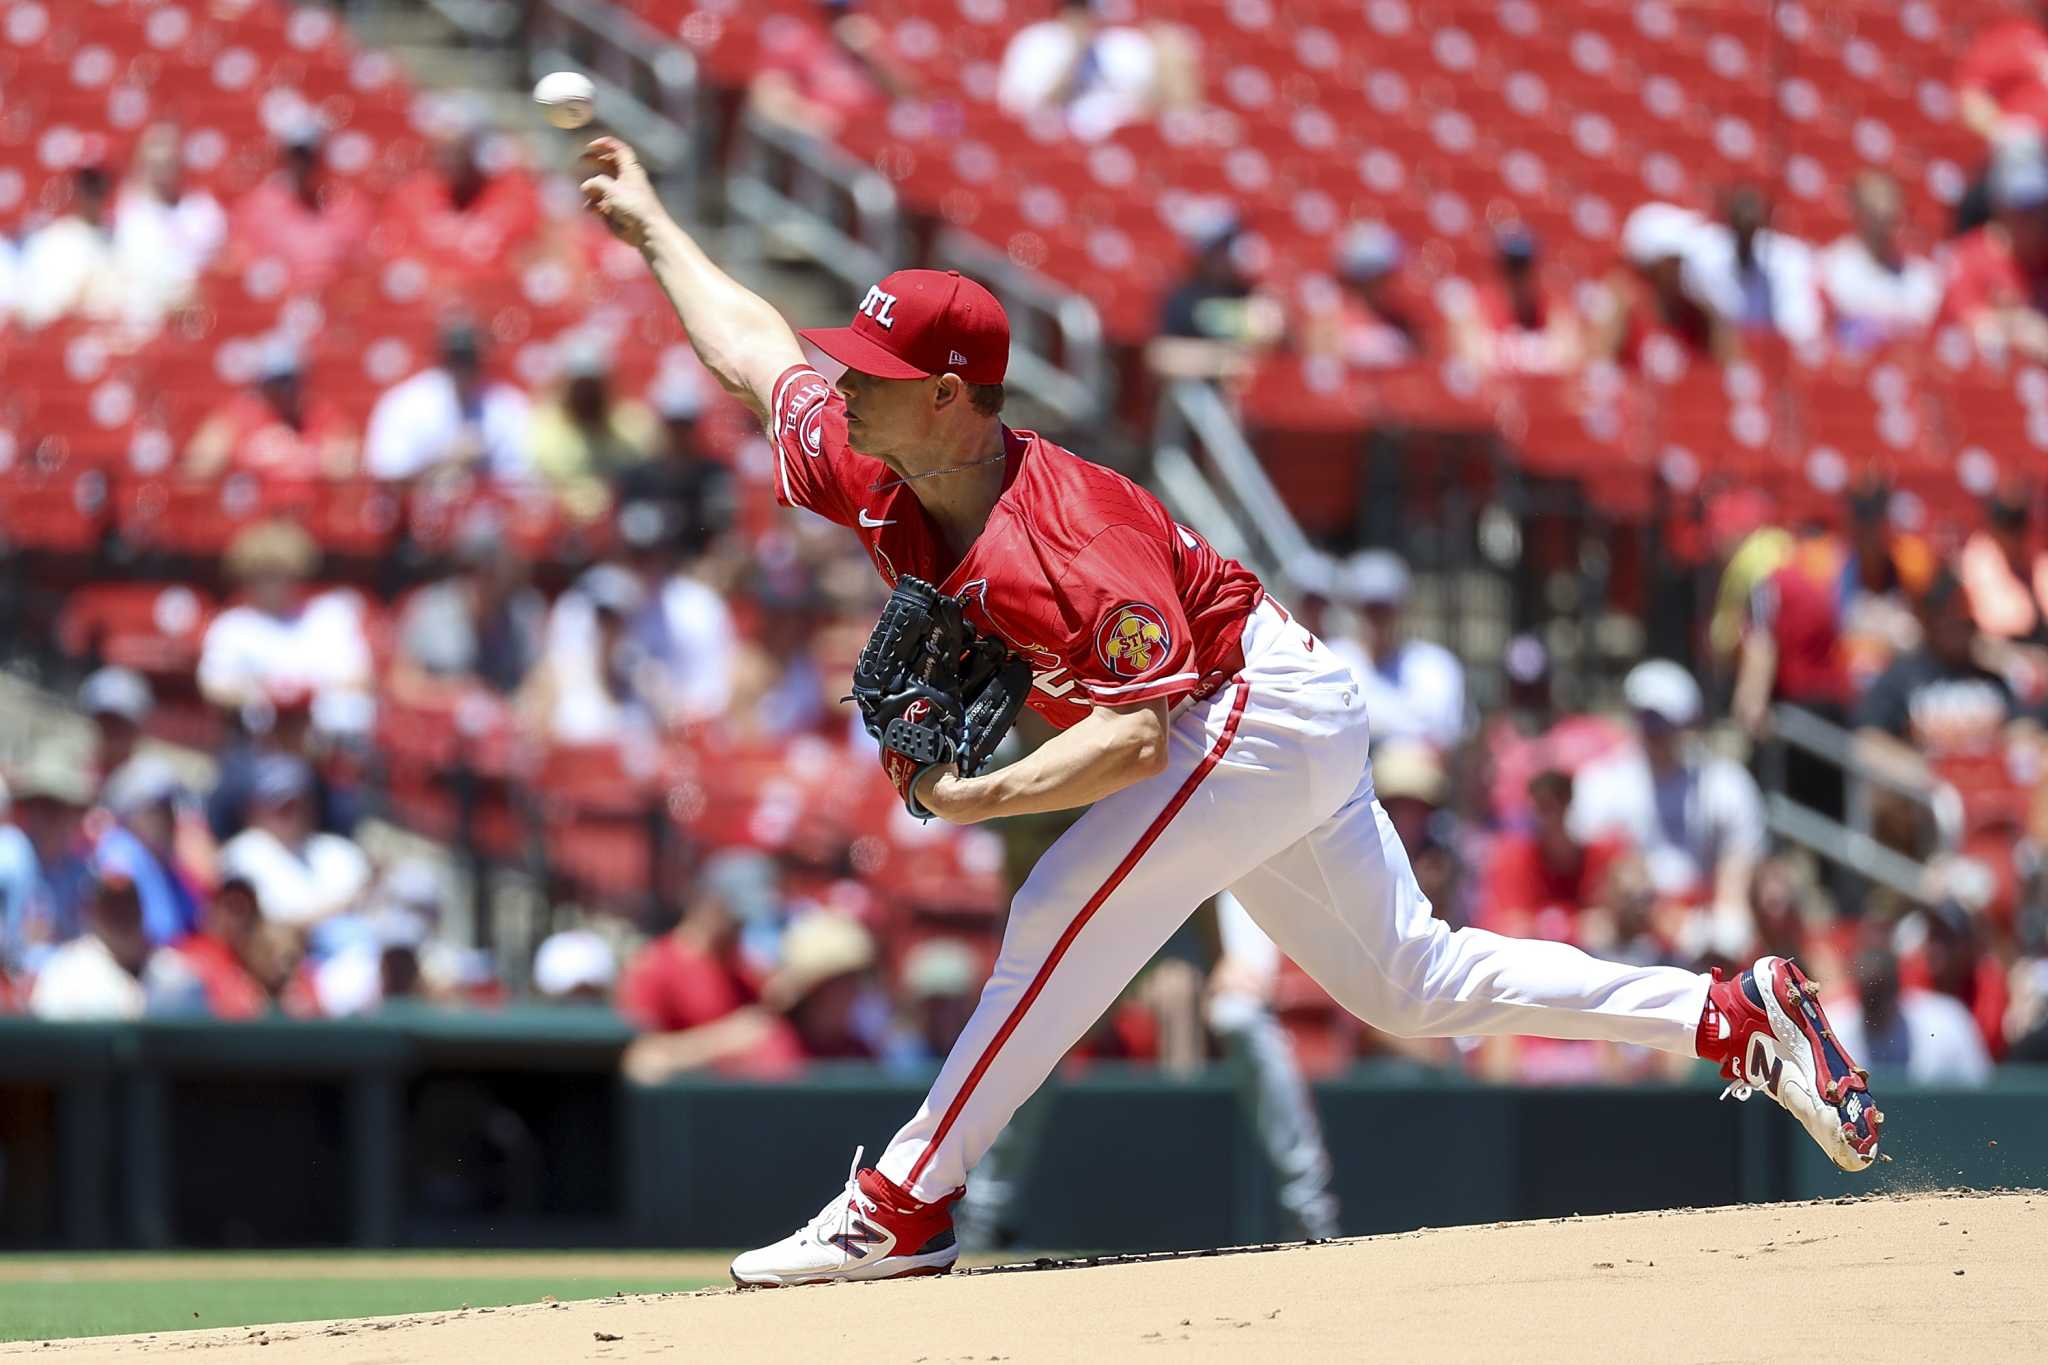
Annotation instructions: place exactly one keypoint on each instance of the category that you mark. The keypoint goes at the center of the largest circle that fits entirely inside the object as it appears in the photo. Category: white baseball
(565, 97)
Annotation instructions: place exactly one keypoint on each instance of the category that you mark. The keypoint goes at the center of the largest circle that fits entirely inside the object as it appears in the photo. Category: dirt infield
(1928, 1277)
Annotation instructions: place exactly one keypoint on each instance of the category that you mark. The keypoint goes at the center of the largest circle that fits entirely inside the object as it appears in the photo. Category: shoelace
(838, 1215)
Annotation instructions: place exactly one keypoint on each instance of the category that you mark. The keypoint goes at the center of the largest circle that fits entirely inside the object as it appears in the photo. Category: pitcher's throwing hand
(620, 192)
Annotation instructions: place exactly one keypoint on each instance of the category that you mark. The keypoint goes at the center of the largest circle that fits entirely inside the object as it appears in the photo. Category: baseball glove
(933, 691)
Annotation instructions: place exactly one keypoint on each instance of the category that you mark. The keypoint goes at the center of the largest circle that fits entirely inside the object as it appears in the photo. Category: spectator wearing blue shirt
(143, 798)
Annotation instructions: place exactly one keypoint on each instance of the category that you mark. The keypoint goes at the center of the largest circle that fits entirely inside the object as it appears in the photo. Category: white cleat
(1779, 1042)
(871, 1230)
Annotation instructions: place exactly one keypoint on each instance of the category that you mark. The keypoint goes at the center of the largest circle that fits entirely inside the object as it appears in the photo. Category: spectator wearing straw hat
(284, 638)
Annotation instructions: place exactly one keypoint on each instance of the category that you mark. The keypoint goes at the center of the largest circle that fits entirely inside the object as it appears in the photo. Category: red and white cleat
(873, 1230)
(1771, 1035)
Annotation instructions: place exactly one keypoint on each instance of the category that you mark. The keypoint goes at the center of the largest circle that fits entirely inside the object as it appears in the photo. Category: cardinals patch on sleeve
(1133, 640)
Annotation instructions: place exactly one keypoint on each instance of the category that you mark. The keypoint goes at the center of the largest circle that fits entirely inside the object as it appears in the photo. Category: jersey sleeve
(814, 466)
(1131, 640)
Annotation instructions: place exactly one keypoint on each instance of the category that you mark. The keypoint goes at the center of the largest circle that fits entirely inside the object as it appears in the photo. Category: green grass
(43, 1310)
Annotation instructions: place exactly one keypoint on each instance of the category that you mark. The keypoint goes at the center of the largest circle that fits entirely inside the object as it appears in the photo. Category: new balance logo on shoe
(1764, 1068)
(858, 1237)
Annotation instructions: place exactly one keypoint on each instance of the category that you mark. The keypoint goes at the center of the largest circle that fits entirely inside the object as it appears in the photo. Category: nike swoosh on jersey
(872, 522)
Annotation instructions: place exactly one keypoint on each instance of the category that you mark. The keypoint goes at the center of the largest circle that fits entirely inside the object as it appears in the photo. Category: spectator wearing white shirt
(111, 971)
(1414, 689)
(1100, 76)
(164, 233)
(69, 267)
(1925, 1036)
(451, 420)
(1696, 818)
(1878, 293)
(282, 640)
(301, 877)
(1761, 281)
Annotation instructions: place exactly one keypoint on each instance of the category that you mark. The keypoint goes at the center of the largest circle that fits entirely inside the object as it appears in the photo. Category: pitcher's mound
(1930, 1277)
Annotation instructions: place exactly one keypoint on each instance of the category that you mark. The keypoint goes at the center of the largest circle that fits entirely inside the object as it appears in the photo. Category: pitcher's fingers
(612, 154)
(597, 187)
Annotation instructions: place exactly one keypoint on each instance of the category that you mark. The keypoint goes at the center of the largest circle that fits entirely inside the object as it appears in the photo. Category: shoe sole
(1793, 1005)
(906, 1268)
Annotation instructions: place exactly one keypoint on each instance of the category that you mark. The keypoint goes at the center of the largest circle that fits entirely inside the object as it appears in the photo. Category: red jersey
(2006, 62)
(1078, 569)
(1984, 275)
(1797, 608)
(260, 442)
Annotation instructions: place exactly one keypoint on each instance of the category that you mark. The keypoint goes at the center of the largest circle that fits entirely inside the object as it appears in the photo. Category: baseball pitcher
(1215, 742)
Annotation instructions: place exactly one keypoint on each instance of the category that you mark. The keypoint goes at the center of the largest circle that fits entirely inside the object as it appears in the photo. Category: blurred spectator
(450, 419)
(482, 626)
(1938, 701)
(46, 872)
(1883, 575)
(1998, 274)
(1761, 281)
(283, 638)
(164, 232)
(1791, 652)
(825, 987)
(141, 844)
(575, 966)
(69, 267)
(1876, 291)
(693, 490)
(1696, 818)
(2005, 573)
(245, 965)
(685, 625)
(272, 430)
(1539, 880)
(1414, 689)
(1943, 948)
(283, 723)
(779, 687)
(815, 74)
(2002, 84)
(112, 971)
(299, 218)
(1654, 294)
(1513, 324)
(118, 701)
(586, 437)
(941, 985)
(1926, 1037)
(695, 999)
(466, 217)
(1214, 317)
(1098, 76)
(597, 678)
(394, 949)
(1370, 321)
(301, 877)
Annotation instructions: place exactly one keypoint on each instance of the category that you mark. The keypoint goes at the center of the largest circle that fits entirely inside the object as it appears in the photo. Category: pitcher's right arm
(738, 334)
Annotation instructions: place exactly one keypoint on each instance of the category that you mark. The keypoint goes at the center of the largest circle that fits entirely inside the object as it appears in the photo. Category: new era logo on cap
(918, 323)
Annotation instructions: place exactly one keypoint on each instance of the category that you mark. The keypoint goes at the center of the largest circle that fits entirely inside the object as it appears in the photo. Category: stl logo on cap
(1133, 640)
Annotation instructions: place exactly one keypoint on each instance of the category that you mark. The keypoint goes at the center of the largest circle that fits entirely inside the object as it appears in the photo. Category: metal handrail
(783, 182)
(1848, 842)
(1192, 423)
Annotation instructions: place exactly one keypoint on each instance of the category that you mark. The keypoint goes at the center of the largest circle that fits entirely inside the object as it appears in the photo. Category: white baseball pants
(1268, 794)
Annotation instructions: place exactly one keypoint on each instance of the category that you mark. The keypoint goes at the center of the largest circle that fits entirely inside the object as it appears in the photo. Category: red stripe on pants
(1073, 931)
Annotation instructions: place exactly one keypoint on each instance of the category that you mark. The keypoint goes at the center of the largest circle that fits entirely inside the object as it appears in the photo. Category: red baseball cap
(918, 323)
